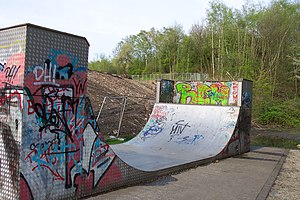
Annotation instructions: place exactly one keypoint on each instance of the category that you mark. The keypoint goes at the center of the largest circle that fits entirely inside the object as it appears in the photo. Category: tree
(172, 39)
(123, 57)
(103, 64)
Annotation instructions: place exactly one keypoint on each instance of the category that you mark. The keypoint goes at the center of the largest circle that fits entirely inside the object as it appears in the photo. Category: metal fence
(172, 76)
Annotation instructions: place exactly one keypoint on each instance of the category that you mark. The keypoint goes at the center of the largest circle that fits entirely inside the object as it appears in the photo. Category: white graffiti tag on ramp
(178, 134)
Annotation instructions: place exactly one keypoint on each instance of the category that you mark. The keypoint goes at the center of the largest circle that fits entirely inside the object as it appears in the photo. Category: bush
(279, 113)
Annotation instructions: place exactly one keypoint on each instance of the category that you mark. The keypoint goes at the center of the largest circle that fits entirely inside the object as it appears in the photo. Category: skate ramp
(177, 134)
(51, 146)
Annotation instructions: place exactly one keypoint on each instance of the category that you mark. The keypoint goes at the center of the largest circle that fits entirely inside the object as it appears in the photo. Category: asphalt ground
(248, 176)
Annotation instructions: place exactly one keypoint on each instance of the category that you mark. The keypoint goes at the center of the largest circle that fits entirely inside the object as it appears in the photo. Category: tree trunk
(212, 54)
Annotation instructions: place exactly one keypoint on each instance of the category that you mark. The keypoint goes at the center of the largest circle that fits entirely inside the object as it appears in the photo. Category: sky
(106, 22)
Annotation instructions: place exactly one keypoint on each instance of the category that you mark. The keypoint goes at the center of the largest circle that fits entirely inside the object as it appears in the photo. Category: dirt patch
(140, 101)
(276, 134)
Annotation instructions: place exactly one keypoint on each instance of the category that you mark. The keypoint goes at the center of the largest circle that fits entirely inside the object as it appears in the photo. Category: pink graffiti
(11, 98)
(12, 71)
(160, 112)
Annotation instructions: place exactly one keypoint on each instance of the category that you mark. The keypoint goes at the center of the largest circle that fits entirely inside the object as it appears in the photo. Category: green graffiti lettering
(203, 94)
(187, 95)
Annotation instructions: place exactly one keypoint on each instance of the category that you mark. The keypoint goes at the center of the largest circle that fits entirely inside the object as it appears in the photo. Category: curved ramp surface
(177, 134)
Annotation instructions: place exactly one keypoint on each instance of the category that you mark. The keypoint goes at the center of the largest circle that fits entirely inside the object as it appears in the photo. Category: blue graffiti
(61, 63)
(166, 91)
(230, 124)
(2, 66)
(246, 99)
(189, 139)
(153, 129)
(52, 154)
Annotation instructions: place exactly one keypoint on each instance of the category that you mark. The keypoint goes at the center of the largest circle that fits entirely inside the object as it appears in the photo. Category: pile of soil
(140, 100)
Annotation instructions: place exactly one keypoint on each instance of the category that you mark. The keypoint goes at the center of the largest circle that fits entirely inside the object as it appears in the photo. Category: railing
(171, 76)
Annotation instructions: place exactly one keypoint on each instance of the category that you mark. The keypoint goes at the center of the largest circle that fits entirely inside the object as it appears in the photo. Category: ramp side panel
(178, 134)
(240, 140)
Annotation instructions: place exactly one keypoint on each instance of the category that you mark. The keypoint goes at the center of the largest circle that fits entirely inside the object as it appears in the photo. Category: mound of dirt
(140, 100)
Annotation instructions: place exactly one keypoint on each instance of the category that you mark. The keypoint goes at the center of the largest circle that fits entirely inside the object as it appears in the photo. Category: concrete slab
(248, 176)
(177, 134)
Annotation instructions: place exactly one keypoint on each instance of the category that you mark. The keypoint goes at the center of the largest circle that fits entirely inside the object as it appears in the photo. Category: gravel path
(287, 184)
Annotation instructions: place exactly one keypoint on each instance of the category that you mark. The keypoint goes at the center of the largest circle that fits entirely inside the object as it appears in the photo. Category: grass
(275, 142)
(111, 141)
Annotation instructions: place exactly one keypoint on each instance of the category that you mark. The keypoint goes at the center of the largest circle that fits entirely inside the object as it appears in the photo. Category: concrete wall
(63, 154)
(12, 61)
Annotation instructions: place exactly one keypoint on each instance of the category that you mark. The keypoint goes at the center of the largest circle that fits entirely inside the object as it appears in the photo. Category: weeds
(284, 114)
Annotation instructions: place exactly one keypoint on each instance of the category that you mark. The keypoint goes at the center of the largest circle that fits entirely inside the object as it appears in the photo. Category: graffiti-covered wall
(201, 93)
(12, 60)
(50, 144)
(63, 154)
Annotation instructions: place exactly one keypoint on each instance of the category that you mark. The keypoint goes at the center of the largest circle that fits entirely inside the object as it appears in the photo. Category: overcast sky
(105, 23)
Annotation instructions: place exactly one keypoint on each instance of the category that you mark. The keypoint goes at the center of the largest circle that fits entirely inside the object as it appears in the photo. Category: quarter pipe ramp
(177, 134)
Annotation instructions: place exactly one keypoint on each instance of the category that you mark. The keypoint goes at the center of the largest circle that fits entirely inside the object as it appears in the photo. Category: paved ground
(249, 176)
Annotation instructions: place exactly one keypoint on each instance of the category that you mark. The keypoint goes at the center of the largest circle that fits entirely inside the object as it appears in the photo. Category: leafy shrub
(279, 114)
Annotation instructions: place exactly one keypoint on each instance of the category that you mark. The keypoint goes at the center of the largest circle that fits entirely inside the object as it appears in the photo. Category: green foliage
(111, 141)
(123, 57)
(279, 113)
(103, 64)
